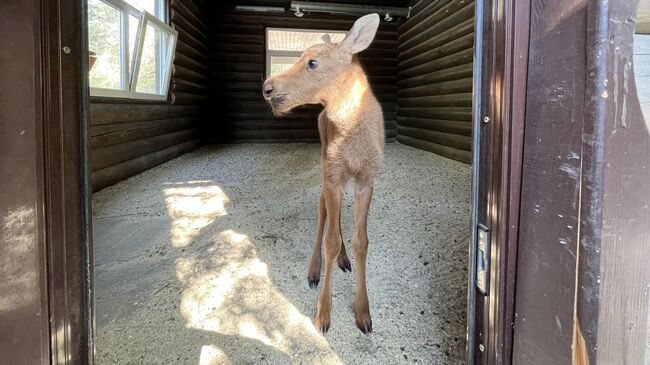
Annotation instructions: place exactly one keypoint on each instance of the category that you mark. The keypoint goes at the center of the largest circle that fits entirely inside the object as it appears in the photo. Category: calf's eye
(312, 64)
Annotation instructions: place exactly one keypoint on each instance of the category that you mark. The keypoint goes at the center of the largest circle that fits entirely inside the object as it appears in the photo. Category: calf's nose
(267, 89)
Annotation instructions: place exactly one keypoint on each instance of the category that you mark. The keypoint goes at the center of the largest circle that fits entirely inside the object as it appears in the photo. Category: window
(284, 46)
(133, 46)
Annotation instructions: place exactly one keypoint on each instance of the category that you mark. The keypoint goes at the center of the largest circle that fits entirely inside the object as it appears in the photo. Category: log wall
(435, 78)
(238, 112)
(130, 136)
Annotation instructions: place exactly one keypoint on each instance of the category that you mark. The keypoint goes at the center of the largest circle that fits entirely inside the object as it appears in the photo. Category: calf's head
(310, 79)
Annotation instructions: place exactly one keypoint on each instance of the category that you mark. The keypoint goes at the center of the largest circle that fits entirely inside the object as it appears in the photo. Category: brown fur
(351, 129)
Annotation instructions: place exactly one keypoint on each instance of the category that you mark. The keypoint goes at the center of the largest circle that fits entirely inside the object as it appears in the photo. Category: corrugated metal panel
(435, 78)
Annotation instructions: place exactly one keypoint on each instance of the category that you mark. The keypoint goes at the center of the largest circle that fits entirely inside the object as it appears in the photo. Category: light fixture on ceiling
(301, 7)
(260, 9)
(299, 13)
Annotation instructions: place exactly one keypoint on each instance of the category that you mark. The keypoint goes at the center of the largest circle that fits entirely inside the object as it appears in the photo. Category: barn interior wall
(238, 112)
(435, 78)
(420, 69)
(128, 137)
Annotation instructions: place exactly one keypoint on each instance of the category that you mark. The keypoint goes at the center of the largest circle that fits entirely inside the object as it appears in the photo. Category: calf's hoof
(363, 319)
(313, 281)
(322, 323)
(344, 263)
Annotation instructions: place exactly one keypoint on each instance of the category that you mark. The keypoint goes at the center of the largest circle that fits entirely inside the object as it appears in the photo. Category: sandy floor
(203, 260)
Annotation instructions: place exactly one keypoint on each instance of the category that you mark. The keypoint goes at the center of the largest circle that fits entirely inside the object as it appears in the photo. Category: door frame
(499, 92)
(46, 40)
(67, 180)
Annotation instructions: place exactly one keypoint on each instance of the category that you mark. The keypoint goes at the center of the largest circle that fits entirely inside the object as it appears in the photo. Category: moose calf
(351, 129)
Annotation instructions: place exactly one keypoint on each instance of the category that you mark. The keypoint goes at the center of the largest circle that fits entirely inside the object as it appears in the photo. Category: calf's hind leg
(315, 262)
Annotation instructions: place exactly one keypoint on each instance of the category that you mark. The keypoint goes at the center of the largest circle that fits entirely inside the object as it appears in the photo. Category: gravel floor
(203, 260)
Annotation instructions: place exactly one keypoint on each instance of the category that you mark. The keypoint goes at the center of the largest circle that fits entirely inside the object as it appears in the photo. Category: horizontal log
(109, 113)
(382, 79)
(420, 12)
(220, 57)
(111, 155)
(460, 30)
(444, 18)
(180, 22)
(238, 76)
(195, 17)
(448, 74)
(462, 99)
(184, 86)
(187, 50)
(446, 113)
(179, 98)
(457, 44)
(237, 38)
(190, 63)
(458, 58)
(113, 174)
(226, 46)
(440, 88)
(220, 67)
(183, 73)
(449, 126)
(185, 37)
(380, 69)
(110, 134)
(223, 30)
(255, 86)
(445, 151)
(192, 6)
(441, 138)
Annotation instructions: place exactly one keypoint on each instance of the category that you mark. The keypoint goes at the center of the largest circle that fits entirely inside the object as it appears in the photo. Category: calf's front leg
(332, 246)
(362, 197)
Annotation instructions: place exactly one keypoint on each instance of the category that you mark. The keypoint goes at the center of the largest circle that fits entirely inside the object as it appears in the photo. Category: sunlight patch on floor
(211, 355)
(229, 291)
(192, 206)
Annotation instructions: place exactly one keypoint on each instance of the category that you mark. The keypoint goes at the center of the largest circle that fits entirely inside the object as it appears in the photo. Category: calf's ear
(362, 33)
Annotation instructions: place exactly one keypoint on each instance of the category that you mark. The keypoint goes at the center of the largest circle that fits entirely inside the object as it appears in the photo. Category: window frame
(129, 70)
(166, 74)
(268, 53)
